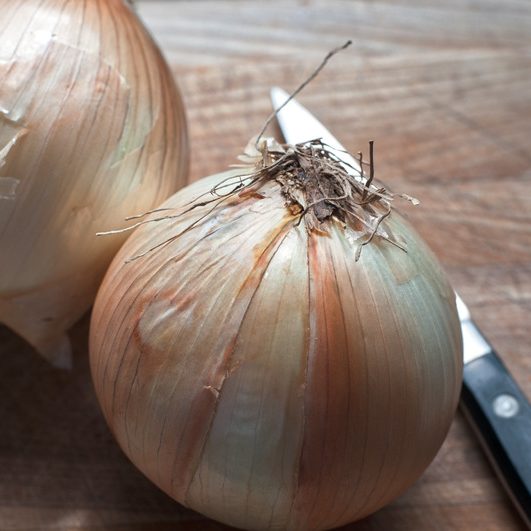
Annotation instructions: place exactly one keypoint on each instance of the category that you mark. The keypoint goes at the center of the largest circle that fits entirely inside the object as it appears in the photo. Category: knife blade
(493, 403)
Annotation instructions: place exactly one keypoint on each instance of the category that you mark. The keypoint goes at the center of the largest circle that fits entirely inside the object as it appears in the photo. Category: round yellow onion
(91, 130)
(259, 373)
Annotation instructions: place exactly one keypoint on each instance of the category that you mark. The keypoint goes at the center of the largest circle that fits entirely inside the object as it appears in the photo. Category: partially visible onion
(259, 372)
(91, 129)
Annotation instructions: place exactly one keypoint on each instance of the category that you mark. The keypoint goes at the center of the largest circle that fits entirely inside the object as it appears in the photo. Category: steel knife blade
(493, 403)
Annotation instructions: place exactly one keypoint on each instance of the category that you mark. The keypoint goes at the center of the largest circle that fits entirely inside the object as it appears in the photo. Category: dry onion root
(257, 366)
(91, 128)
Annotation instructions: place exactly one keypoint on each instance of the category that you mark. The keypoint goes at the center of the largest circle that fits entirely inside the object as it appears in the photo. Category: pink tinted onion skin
(262, 377)
(92, 130)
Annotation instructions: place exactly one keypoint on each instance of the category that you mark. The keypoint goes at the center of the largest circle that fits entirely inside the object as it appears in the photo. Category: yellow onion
(91, 129)
(260, 373)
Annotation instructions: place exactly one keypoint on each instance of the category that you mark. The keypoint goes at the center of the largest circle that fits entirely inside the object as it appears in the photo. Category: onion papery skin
(92, 129)
(258, 374)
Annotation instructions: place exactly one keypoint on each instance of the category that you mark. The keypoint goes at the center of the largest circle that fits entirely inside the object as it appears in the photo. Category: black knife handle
(501, 415)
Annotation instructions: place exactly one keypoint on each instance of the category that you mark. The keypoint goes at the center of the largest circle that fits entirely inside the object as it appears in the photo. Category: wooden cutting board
(444, 89)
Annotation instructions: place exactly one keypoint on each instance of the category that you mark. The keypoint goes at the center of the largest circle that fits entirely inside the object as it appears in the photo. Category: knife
(497, 409)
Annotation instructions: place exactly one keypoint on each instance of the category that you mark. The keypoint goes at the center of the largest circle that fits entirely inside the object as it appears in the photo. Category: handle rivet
(505, 406)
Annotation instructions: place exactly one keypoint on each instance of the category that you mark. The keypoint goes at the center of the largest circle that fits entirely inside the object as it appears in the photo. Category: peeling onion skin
(92, 129)
(262, 377)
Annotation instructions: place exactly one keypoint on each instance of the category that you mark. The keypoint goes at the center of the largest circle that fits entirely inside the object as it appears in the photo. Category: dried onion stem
(314, 183)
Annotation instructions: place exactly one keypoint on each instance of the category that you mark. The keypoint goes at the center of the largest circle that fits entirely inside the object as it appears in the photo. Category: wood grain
(443, 89)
